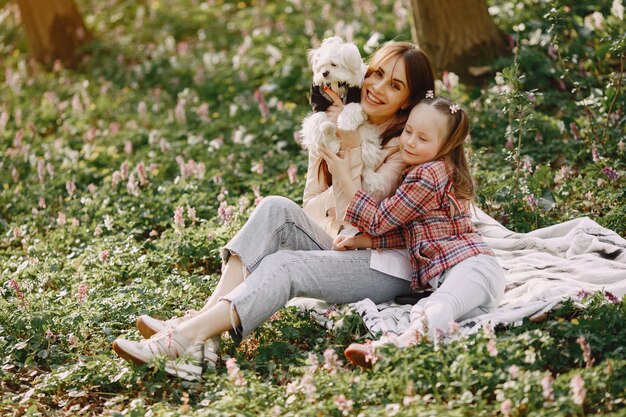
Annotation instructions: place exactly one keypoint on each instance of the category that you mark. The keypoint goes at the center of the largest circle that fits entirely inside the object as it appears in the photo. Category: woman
(283, 251)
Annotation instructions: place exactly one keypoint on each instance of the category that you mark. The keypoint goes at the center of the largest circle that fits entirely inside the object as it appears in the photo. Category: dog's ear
(313, 56)
(352, 57)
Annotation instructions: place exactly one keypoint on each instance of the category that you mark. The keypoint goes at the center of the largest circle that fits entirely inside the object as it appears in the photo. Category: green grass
(83, 252)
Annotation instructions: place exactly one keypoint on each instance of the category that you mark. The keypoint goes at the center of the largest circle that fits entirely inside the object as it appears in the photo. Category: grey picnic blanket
(543, 268)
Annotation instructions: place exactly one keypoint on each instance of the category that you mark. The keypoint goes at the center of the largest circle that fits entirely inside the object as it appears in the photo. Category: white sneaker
(198, 357)
(189, 365)
(169, 344)
(149, 326)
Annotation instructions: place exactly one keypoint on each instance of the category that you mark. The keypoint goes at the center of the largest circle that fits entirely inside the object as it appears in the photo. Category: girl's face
(424, 134)
(385, 91)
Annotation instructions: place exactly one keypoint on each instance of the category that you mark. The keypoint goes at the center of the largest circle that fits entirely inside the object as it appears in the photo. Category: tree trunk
(54, 29)
(457, 34)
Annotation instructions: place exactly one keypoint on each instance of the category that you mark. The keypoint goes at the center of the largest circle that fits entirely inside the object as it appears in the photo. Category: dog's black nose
(325, 73)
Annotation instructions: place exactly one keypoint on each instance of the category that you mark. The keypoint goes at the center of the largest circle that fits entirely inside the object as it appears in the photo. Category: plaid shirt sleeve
(415, 196)
(392, 239)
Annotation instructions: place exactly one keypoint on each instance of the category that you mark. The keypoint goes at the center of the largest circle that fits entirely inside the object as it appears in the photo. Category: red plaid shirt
(418, 216)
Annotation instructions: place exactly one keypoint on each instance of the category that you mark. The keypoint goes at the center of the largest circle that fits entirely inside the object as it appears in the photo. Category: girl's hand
(352, 242)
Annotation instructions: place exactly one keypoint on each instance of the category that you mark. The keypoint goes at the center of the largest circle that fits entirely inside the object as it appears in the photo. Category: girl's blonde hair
(452, 149)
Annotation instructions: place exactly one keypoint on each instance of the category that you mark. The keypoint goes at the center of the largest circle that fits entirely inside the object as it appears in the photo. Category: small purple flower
(584, 346)
(609, 296)
(292, 173)
(546, 387)
(179, 221)
(83, 289)
(70, 187)
(611, 173)
(506, 407)
(595, 155)
(577, 386)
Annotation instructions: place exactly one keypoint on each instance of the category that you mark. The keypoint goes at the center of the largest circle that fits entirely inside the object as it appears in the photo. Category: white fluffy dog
(338, 65)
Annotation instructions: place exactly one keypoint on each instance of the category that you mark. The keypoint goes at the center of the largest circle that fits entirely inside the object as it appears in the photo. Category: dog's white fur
(334, 62)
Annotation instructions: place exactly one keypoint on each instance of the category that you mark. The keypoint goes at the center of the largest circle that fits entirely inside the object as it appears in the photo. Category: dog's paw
(351, 117)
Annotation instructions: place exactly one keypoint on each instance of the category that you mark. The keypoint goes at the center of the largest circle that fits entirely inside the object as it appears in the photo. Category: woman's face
(385, 91)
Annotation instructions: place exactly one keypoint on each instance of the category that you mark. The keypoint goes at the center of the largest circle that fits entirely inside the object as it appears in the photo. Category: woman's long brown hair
(420, 79)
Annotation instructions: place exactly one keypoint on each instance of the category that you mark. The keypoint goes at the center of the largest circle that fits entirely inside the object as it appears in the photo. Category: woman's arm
(318, 198)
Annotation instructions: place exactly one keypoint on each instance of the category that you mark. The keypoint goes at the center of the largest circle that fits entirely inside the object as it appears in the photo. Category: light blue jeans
(472, 287)
(288, 255)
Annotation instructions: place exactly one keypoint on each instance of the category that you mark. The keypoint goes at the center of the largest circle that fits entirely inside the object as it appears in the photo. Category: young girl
(284, 250)
(430, 215)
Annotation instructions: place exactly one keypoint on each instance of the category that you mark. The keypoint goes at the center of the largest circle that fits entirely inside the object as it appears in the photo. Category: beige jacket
(327, 205)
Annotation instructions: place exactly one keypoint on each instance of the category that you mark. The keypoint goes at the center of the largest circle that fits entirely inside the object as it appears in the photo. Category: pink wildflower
(92, 188)
(331, 361)
(514, 371)
(243, 203)
(453, 328)
(225, 212)
(72, 340)
(124, 170)
(83, 289)
(15, 175)
(506, 407)
(50, 335)
(292, 173)
(308, 386)
(128, 147)
(257, 168)
(260, 99)
(142, 109)
(531, 200)
(97, 231)
(104, 256)
(108, 222)
(191, 213)
(234, 373)
(61, 219)
(15, 286)
(42, 203)
(75, 222)
(538, 137)
(595, 155)
(179, 111)
(41, 170)
(584, 346)
(179, 221)
(115, 178)
(141, 173)
(620, 145)
(546, 386)
(491, 348)
(131, 186)
(344, 405)
(50, 169)
(70, 187)
(203, 112)
(611, 173)
(577, 386)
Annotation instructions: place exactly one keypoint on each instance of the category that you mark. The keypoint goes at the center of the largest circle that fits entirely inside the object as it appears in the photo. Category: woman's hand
(352, 242)
(348, 139)
(340, 170)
